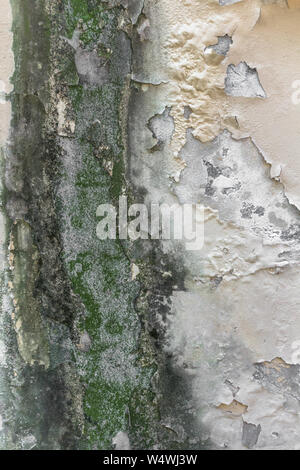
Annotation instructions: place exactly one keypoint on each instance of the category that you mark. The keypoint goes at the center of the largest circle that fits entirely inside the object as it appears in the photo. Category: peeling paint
(238, 309)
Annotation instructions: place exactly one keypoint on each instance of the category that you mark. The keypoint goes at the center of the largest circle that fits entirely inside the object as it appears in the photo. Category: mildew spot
(248, 210)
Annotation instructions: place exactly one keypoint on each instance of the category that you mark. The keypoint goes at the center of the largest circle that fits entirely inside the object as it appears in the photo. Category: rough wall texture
(111, 343)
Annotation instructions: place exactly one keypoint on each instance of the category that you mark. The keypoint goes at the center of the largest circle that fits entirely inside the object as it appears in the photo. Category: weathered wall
(144, 344)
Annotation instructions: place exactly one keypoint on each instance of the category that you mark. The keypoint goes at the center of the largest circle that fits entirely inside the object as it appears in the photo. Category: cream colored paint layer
(265, 36)
(196, 79)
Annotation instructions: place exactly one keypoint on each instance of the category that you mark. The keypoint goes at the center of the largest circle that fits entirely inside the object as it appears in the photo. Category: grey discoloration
(248, 210)
(97, 66)
(242, 80)
(291, 233)
(250, 435)
(209, 189)
(213, 171)
(290, 255)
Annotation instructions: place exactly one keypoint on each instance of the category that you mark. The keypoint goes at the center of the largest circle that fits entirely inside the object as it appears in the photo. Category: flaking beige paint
(265, 36)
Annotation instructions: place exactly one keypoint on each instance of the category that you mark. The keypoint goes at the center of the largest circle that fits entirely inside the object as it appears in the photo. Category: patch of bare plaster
(242, 80)
(216, 52)
(217, 174)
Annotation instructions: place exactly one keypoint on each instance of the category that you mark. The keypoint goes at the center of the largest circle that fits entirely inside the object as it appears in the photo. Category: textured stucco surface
(144, 345)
